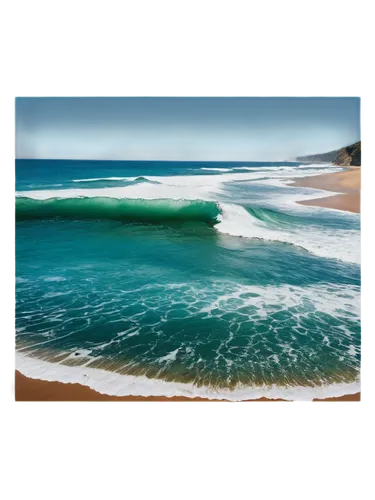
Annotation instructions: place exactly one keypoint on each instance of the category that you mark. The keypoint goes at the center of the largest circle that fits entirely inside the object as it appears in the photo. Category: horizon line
(165, 161)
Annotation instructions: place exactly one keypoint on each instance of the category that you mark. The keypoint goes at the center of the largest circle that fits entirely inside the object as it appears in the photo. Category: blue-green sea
(185, 278)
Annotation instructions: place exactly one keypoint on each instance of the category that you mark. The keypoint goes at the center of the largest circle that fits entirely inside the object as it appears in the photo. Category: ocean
(185, 278)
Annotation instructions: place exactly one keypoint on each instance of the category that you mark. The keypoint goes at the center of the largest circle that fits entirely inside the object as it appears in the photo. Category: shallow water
(204, 274)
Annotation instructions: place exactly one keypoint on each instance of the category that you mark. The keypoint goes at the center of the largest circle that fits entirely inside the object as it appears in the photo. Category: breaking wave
(269, 225)
(131, 210)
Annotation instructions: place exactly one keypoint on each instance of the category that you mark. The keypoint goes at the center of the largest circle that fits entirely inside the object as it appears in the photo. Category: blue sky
(211, 129)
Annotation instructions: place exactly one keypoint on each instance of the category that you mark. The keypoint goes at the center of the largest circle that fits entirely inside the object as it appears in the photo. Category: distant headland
(347, 156)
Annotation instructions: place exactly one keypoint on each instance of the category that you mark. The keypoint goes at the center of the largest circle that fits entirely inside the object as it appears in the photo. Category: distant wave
(95, 179)
(132, 210)
(101, 179)
(188, 187)
(43, 186)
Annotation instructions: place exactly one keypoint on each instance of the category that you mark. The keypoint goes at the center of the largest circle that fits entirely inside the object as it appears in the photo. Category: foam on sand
(114, 384)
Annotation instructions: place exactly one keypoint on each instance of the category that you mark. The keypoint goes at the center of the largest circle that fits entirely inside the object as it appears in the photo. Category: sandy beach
(348, 183)
(28, 389)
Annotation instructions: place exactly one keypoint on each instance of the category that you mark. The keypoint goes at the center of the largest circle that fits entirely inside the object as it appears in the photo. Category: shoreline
(30, 389)
(346, 188)
(346, 185)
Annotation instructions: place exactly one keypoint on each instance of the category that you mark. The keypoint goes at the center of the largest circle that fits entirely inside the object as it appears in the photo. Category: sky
(184, 128)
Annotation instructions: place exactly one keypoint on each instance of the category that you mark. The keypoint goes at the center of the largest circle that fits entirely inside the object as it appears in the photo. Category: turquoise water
(202, 274)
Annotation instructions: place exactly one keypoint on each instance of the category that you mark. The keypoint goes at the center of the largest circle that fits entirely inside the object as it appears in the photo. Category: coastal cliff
(347, 156)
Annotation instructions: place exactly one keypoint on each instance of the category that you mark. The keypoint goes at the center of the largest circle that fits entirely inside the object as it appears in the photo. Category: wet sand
(28, 389)
(348, 183)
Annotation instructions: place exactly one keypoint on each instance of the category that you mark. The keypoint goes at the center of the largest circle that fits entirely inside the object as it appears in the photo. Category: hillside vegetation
(347, 156)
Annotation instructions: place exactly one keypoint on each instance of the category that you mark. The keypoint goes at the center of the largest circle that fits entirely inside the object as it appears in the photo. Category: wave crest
(128, 179)
(131, 210)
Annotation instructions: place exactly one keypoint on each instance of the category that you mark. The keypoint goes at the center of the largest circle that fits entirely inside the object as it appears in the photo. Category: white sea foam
(216, 299)
(205, 187)
(250, 168)
(188, 187)
(323, 242)
(169, 357)
(50, 295)
(291, 198)
(19, 279)
(335, 300)
(218, 169)
(144, 191)
(114, 384)
(133, 334)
